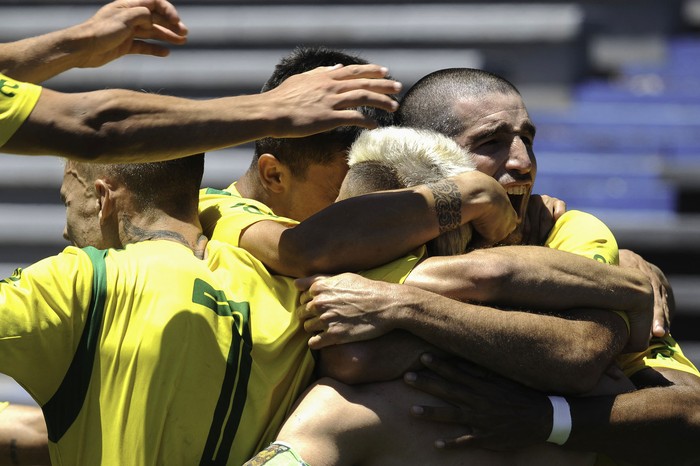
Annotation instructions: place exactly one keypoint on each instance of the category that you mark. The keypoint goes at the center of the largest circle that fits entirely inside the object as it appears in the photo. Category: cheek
(82, 226)
(486, 164)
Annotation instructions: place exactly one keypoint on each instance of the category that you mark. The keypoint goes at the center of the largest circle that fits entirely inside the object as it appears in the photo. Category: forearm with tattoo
(448, 204)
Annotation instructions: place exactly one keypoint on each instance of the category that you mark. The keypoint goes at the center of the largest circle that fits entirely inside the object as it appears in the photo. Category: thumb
(305, 283)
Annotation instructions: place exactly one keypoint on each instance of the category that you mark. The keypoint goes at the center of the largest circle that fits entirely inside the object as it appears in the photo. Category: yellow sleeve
(43, 309)
(17, 100)
(583, 234)
(662, 352)
(397, 270)
(225, 214)
(3, 405)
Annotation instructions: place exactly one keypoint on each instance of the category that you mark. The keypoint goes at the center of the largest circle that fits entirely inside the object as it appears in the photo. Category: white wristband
(561, 420)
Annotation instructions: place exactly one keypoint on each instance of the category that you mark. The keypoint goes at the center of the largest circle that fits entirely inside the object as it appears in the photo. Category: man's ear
(105, 200)
(274, 175)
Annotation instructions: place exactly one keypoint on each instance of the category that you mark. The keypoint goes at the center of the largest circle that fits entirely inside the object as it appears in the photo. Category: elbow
(578, 382)
(582, 367)
(575, 380)
(349, 363)
(91, 148)
(583, 382)
(490, 278)
(106, 129)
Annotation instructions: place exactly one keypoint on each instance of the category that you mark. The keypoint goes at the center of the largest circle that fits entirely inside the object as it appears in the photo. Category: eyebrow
(528, 127)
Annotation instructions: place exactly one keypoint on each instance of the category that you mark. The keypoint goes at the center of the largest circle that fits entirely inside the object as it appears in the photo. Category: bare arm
(112, 32)
(377, 360)
(23, 436)
(127, 126)
(653, 425)
(370, 230)
(577, 348)
(545, 279)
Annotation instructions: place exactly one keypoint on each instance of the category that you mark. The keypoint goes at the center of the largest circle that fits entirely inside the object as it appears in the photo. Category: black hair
(299, 153)
(171, 185)
(429, 104)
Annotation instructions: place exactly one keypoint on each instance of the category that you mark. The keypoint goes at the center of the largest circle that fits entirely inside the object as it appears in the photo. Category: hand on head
(328, 97)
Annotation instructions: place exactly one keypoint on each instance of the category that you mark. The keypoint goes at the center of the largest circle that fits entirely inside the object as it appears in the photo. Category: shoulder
(66, 265)
(17, 100)
(662, 353)
(584, 234)
(225, 214)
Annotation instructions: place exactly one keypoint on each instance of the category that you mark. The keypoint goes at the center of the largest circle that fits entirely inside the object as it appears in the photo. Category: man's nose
(519, 158)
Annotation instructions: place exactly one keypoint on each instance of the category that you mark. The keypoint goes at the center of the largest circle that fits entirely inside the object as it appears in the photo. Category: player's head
(393, 158)
(102, 198)
(313, 166)
(484, 114)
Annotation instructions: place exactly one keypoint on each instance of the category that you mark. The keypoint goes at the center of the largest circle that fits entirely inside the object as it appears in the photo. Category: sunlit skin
(500, 134)
(82, 209)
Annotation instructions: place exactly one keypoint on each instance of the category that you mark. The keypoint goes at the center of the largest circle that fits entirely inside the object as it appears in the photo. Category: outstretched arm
(127, 126)
(115, 30)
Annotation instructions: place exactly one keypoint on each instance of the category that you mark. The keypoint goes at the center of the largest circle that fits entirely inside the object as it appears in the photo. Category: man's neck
(164, 227)
(248, 187)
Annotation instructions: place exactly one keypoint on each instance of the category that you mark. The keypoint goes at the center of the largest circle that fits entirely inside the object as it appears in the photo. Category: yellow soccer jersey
(224, 214)
(583, 234)
(145, 356)
(662, 352)
(17, 100)
(3, 405)
(397, 270)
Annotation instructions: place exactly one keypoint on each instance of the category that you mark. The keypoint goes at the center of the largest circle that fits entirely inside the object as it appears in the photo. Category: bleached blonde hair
(393, 158)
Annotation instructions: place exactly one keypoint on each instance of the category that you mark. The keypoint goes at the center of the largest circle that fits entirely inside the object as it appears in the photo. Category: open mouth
(516, 200)
(516, 194)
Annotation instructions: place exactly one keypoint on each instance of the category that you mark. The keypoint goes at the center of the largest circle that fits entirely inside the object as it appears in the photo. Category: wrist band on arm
(561, 420)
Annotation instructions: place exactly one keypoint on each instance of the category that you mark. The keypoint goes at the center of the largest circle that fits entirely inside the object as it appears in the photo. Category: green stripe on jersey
(65, 405)
(234, 389)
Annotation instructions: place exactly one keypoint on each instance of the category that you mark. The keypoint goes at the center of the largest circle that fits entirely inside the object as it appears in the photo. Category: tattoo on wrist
(448, 204)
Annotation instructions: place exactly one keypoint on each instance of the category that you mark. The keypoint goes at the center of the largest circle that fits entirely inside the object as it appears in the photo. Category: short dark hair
(299, 153)
(429, 104)
(172, 185)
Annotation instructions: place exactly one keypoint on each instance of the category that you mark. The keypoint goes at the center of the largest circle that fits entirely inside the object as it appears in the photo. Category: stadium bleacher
(616, 102)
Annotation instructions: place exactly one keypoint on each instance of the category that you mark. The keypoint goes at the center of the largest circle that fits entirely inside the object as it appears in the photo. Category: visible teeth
(522, 189)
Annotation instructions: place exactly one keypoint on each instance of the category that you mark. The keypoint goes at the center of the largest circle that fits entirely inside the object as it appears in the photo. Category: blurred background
(612, 85)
